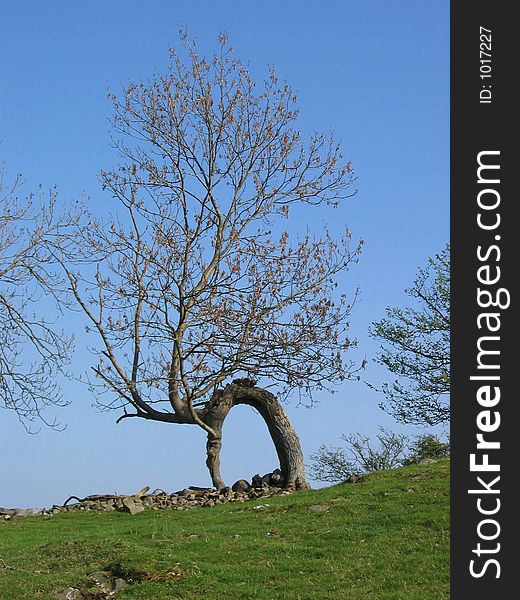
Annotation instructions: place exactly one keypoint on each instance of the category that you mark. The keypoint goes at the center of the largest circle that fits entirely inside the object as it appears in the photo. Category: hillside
(386, 537)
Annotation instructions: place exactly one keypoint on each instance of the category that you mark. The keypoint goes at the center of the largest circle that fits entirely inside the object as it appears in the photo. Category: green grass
(386, 537)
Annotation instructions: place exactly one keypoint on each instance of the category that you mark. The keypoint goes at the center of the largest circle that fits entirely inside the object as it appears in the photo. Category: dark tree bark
(284, 437)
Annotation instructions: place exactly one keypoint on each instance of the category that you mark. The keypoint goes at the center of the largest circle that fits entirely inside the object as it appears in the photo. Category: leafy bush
(427, 446)
(359, 456)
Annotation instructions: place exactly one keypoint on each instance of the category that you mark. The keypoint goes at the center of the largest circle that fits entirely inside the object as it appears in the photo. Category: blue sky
(375, 71)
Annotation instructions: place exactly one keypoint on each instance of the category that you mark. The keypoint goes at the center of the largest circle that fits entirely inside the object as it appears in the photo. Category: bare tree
(195, 280)
(32, 349)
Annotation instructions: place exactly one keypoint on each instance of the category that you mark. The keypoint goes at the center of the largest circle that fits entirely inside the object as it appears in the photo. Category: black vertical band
(485, 260)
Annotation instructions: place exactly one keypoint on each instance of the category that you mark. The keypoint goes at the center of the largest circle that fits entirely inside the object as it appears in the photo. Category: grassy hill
(384, 537)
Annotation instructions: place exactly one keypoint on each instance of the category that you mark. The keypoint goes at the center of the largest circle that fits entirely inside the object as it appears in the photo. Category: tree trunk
(213, 447)
(285, 439)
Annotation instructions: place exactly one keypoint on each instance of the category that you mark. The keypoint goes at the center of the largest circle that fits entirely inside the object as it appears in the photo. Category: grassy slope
(386, 537)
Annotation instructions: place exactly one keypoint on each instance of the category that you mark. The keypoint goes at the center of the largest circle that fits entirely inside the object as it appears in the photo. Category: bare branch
(193, 279)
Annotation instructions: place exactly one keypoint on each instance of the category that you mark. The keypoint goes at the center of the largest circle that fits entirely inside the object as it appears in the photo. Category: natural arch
(247, 448)
(284, 437)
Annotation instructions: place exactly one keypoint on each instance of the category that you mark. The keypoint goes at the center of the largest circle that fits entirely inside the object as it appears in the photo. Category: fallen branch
(102, 497)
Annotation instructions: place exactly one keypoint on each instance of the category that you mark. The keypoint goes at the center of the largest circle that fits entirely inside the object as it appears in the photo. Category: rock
(257, 493)
(276, 478)
(28, 512)
(427, 461)
(107, 583)
(71, 594)
(241, 486)
(258, 482)
(103, 579)
(132, 506)
(118, 585)
(142, 492)
(266, 479)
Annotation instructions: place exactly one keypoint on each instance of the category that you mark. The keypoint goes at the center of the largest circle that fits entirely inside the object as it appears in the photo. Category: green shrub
(427, 446)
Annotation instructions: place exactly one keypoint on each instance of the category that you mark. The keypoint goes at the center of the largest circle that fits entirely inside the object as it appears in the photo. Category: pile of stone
(260, 487)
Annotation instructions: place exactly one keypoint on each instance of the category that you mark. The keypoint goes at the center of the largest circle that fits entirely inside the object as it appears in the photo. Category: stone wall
(260, 487)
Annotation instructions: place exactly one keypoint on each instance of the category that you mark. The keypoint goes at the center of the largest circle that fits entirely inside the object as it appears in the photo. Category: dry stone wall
(242, 490)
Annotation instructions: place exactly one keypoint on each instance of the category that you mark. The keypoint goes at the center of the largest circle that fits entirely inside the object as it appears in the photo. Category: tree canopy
(33, 348)
(415, 346)
(191, 279)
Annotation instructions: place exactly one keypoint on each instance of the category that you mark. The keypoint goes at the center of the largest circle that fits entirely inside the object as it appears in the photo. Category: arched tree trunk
(284, 437)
